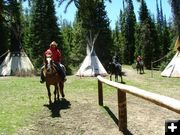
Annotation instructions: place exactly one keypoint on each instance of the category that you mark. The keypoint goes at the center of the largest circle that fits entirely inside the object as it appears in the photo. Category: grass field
(21, 98)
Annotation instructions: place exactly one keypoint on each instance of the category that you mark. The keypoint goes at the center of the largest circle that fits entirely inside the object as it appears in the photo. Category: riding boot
(61, 72)
(64, 71)
(42, 77)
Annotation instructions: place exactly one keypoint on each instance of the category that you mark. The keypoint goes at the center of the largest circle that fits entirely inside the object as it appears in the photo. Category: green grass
(155, 83)
(21, 98)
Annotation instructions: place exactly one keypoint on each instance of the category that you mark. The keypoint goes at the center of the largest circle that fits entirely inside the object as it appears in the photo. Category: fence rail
(163, 101)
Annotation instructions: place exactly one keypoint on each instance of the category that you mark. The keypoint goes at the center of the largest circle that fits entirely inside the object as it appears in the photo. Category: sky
(113, 10)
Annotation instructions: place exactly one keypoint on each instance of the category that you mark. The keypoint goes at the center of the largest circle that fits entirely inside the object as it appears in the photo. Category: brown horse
(53, 78)
(140, 67)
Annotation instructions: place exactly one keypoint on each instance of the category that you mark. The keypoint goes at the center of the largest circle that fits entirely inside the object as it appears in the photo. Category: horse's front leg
(121, 77)
(110, 77)
(137, 69)
(56, 93)
(61, 85)
(116, 77)
(49, 93)
(141, 71)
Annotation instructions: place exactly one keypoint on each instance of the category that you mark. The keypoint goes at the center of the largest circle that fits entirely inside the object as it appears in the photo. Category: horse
(53, 78)
(116, 69)
(140, 67)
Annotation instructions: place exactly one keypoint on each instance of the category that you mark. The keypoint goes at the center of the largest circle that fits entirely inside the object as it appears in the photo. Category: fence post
(122, 110)
(100, 93)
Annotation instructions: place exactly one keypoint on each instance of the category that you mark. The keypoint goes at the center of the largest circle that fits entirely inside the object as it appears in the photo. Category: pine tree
(26, 34)
(4, 32)
(117, 48)
(15, 25)
(122, 24)
(175, 4)
(104, 39)
(37, 31)
(44, 28)
(143, 12)
(77, 2)
(115, 36)
(149, 37)
(129, 47)
(78, 49)
(166, 39)
(67, 34)
(94, 18)
(138, 46)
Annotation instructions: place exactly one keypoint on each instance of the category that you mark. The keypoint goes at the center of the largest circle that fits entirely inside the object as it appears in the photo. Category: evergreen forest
(34, 28)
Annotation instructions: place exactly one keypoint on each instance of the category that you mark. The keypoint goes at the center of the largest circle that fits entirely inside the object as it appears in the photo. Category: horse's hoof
(50, 102)
(54, 99)
(63, 95)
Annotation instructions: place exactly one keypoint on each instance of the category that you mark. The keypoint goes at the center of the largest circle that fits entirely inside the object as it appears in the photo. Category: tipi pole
(4, 53)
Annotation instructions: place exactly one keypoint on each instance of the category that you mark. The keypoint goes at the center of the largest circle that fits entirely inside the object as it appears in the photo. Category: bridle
(50, 66)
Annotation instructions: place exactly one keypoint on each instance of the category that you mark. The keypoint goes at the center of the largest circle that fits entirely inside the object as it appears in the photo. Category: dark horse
(116, 69)
(53, 78)
(140, 67)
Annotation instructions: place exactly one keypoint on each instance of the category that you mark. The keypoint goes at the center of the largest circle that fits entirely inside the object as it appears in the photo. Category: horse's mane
(54, 66)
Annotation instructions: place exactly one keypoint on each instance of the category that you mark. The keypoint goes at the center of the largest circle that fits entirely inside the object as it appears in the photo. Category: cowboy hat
(53, 43)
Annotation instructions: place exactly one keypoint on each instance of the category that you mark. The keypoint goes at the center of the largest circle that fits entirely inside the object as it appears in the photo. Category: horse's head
(49, 65)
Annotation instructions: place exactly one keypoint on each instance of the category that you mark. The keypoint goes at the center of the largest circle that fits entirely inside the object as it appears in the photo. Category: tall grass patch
(20, 99)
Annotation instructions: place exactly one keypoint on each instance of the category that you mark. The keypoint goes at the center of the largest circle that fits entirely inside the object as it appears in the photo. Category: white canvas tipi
(173, 68)
(91, 66)
(16, 63)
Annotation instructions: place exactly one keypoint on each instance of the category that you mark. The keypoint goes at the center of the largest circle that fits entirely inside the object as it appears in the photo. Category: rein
(53, 69)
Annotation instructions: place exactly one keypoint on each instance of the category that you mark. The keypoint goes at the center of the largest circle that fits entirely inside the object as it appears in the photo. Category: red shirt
(139, 59)
(56, 54)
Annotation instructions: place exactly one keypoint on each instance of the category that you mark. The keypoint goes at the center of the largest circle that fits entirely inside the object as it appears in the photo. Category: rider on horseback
(55, 53)
(140, 64)
(139, 58)
(115, 68)
(115, 59)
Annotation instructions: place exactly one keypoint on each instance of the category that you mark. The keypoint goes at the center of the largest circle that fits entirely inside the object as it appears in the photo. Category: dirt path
(82, 116)
(79, 114)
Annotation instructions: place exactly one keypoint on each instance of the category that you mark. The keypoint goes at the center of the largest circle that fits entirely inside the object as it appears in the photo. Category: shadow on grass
(57, 106)
(127, 132)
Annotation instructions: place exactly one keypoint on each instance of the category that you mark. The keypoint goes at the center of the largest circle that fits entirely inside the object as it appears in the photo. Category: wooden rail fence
(122, 89)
